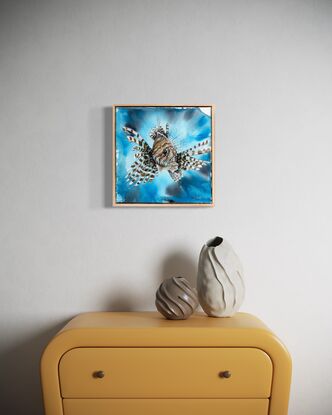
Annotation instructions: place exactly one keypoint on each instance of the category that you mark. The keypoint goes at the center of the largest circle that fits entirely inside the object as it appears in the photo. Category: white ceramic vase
(220, 284)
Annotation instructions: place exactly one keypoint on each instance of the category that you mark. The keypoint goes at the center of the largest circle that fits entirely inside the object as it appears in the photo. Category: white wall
(267, 66)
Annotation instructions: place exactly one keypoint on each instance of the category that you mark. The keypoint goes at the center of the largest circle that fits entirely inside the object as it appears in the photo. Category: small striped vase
(220, 284)
(175, 299)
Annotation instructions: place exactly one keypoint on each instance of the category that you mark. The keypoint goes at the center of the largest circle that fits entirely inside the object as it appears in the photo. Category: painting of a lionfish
(162, 156)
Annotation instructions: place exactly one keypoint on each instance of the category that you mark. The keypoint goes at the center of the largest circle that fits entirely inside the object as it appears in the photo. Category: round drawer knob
(225, 374)
(99, 374)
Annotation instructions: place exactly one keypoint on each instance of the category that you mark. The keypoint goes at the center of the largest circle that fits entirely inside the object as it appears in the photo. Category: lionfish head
(163, 150)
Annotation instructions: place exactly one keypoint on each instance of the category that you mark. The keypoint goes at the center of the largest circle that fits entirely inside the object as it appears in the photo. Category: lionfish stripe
(131, 131)
(201, 151)
(197, 147)
(135, 140)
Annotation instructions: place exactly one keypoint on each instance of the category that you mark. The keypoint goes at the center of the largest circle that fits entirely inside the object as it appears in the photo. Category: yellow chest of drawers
(141, 364)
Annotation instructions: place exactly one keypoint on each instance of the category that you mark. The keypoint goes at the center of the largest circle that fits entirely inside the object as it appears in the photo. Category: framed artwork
(163, 155)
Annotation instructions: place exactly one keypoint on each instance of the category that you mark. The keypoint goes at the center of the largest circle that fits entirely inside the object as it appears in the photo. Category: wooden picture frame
(151, 167)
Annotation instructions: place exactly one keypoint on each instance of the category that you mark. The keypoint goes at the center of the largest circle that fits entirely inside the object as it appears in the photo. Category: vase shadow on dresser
(20, 373)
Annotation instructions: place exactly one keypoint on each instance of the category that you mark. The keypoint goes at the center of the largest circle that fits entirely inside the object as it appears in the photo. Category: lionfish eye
(165, 152)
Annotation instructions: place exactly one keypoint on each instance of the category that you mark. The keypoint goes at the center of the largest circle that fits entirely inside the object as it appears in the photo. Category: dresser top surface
(151, 320)
(150, 329)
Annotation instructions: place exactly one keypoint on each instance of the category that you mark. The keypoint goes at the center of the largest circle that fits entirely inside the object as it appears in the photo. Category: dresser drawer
(165, 406)
(165, 373)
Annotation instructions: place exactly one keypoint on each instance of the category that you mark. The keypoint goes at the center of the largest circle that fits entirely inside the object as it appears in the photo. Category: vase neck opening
(215, 242)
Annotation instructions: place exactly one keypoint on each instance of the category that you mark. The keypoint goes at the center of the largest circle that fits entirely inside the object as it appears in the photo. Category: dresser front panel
(165, 373)
(165, 406)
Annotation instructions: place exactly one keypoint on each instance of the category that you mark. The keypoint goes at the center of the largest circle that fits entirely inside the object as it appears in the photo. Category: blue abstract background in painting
(187, 127)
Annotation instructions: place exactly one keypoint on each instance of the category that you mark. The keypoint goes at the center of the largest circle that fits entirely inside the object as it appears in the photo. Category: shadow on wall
(19, 375)
(122, 300)
(100, 157)
(178, 264)
(108, 170)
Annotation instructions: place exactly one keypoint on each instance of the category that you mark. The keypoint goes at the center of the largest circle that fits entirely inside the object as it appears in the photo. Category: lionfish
(162, 156)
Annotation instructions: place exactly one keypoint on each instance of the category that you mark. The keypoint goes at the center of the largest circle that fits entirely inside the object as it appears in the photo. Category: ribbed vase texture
(220, 284)
(175, 299)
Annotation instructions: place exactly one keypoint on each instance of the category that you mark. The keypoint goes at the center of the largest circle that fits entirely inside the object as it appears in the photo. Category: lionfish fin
(144, 168)
(159, 131)
(187, 162)
(134, 137)
(198, 149)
